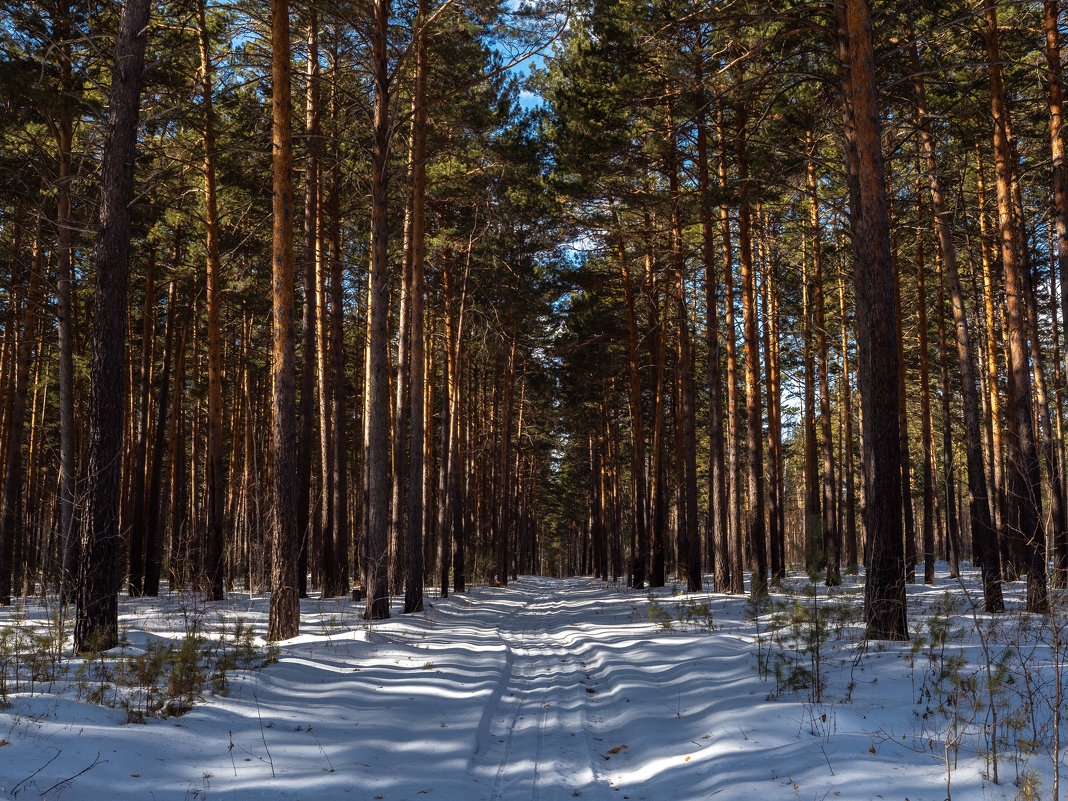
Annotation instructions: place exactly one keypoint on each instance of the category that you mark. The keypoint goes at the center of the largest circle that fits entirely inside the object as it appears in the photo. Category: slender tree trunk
(1055, 74)
(284, 619)
(658, 493)
(179, 573)
(640, 544)
(737, 546)
(769, 313)
(12, 519)
(999, 503)
(927, 434)
(1024, 470)
(851, 550)
(902, 414)
(504, 529)
(68, 469)
(814, 545)
(153, 527)
(307, 489)
(831, 536)
(690, 539)
(413, 582)
(717, 543)
(216, 489)
(340, 535)
(755, 524)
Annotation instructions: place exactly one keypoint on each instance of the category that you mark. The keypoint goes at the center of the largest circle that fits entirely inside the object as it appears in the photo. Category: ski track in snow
(545, 690)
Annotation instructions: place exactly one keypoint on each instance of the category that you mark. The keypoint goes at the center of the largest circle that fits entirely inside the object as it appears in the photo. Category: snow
(558, 689)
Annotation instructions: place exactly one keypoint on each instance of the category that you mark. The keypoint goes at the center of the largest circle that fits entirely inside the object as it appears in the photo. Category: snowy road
(534, 740)
(545, 690)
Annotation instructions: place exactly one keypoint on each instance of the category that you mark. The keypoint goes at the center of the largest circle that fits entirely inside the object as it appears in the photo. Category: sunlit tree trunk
(850, 516)
(1024, 470)
(284, 618)
(755, 524)
(309, 483)
(734, 527)
(717, 543)
(214, 464)
(413, 582)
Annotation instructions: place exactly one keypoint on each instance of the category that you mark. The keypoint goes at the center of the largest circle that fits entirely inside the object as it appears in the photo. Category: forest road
(536, 737)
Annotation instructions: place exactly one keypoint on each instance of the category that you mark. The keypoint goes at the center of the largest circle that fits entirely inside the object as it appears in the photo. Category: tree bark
(378, 474)
(1024, 470)
(755, 525)
(96, 624)
(717, 544)
(413, 581)
(736, 545)
(884, 595)
(284, 617)
(216, 490)
(11, 511)
(690, 540)
(308, 489)
(68, 469)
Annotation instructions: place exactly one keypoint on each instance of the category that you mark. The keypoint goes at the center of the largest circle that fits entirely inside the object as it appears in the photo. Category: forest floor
(547, 689)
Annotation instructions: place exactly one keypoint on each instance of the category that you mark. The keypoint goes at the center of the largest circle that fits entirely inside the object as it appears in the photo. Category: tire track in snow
(534, 738)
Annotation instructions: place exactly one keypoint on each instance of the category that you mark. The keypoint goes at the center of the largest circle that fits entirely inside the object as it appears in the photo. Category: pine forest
(614, 398)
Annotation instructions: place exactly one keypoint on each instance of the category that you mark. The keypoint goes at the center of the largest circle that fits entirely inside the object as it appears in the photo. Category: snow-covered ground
(559, 689)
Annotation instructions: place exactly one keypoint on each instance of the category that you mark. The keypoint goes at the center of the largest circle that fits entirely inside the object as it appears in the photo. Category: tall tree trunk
(504, 529)
(850, 516)
(284, 618)
(97, 623)
(769, 313)
(213, 265)
(998, 501)
(658, 493)
(908, 515)
(153, 518)
(755, 525)
(640, 543)
(717, 542)
(11, 511)
(308, 488)
(64, 276)
(376, 577)
(690, 539)
(1024, 470)
(884, 594)
(340, 545)
(952, 519)
(1055, 76)
(413, 581)
(737, 545)
(176, 456)
(814, 545)
(831, 535)
(927, 433)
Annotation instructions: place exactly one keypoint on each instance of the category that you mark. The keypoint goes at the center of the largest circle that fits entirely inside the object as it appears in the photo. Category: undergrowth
(157, 679)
